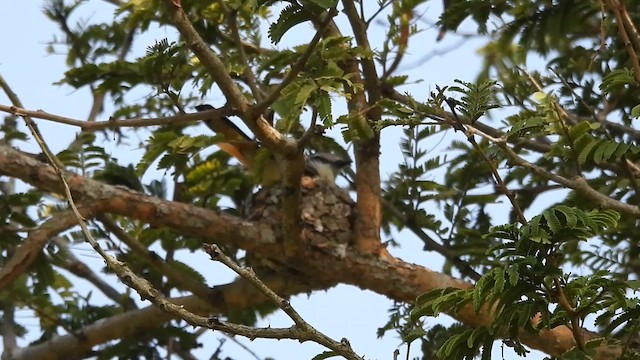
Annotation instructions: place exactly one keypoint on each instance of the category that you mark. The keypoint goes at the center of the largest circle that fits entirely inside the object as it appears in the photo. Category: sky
(344, 311)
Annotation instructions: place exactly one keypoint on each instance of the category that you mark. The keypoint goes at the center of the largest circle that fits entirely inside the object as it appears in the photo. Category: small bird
(326, 166)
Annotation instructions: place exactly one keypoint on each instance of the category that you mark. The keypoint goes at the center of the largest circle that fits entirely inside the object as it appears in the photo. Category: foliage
(533, 197)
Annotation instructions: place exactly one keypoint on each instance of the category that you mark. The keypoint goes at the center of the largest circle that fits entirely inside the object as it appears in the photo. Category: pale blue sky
(344, 311)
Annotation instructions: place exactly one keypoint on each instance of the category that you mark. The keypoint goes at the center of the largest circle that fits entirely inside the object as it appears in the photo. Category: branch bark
(234, 296)
(322, 264)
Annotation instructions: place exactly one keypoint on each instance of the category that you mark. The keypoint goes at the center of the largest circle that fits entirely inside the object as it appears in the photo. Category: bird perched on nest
(236, 143)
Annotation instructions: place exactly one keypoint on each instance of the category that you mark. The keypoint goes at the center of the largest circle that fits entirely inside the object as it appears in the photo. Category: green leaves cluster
(527, 282)
(477, 98)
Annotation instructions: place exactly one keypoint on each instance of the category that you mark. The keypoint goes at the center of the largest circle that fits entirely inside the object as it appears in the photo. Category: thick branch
(322, 263)
(367, 152)
(27, 253)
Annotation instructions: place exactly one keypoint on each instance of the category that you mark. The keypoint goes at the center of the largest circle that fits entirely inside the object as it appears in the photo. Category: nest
(327, 211)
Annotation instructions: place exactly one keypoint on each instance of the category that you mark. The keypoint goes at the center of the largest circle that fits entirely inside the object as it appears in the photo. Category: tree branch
(238, 295)
(618, 9)
(67, 260)
(180, 280)
(579, 184)
(301, 331)
(291, 160)
(110, 124)
(28, 251)
(322, 263)
(367, 152)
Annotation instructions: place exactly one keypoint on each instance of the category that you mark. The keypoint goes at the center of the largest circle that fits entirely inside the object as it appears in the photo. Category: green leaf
(304, 93)
(552, 221)
(617, 79)
(323, 103)
(290, 16)
(634, 284)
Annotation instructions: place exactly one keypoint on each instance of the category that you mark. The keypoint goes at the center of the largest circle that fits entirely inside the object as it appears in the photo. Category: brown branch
(267, 134)
(67, 260)
(302, 330)
(105, 198)
(31, 247)
(574, 318)
(208, 58)
(291, 157)
(238, 295)
(579, 184)
(367, 152)
(128, 277)
(322, 263)
(618, 9)
(110, 124)
(180, 280)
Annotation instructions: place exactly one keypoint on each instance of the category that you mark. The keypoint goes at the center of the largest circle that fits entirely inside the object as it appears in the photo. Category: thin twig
(298, 66)
(574, 318)
(304, 330)
(502, 187)
(258, 93)
(625, 163)
(109, 124)
(405, 29)
(180, 280)
(579, 184)
(243, 346)
(67, 260)
(430, 243)
(618, 8)
(128, 277)
(311, 131)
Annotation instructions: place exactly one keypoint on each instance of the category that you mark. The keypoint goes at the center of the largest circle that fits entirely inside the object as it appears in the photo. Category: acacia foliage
(571, 129)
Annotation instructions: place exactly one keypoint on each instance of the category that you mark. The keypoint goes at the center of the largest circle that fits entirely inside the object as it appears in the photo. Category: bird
(322, 165)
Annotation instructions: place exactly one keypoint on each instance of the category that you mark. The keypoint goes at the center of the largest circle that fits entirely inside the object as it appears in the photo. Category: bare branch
(301, 331)
(179, 279)
(67, 260)
(237, 295)
(618, 9)
(109, 124)
(502, 187)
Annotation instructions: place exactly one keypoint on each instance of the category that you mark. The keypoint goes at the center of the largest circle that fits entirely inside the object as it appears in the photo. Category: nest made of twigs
(327, 211)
